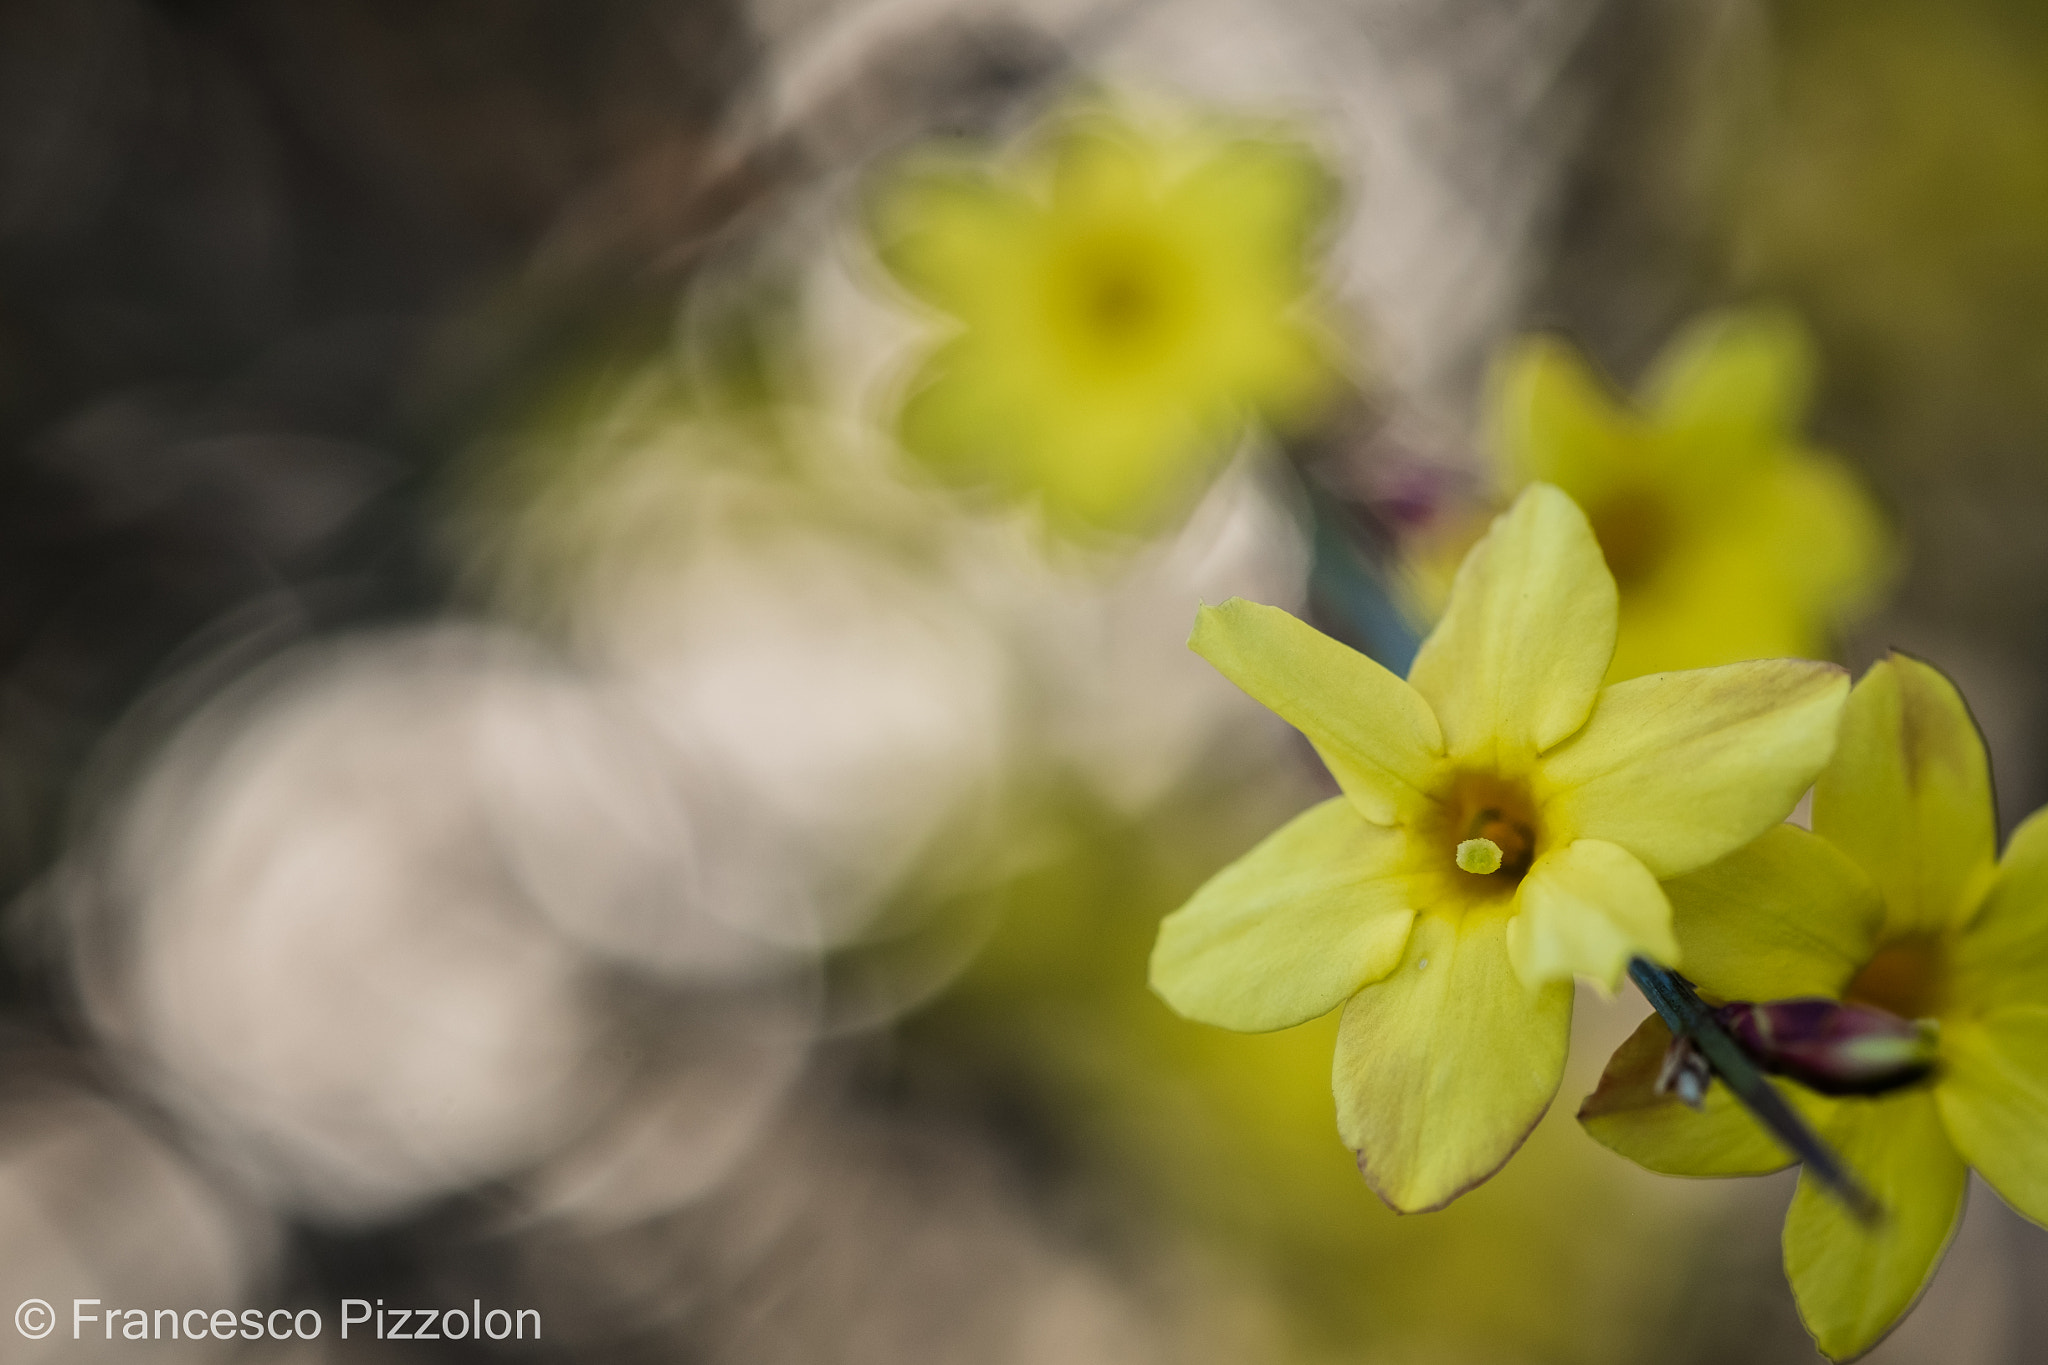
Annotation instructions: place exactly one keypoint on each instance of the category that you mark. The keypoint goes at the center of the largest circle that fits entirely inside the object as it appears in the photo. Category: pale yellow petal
(1769, 568)
(1908, 796)
(1513, 666)
(1788, 915)
(1829, 543)
(1733, 386)
(2001, 958)
(1100, 166)
(1853, 1282)
(1994, 1099)
(1373, 730)
(946, 233)
(1293, 928)
(1444, 1067)
(1554, 421)
(1256, 205)
(1684, 768)
(1663, 1133)
(1584, 910)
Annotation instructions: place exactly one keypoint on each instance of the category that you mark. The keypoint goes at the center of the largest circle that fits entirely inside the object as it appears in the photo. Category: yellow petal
(1994, 1098)
(1444, 1067)
(1765, 569)
(1733, 386)
(1248, 213)
(1258, 205)
(1828, 540)
(1293, 928)
(1788, 915)
(1663, 1133)
(1101, 166)
(1684, 768)
(947, 233)
(1513, 666)
(2001, 958)
(1554, 421)
(973, 418)
(1585, 909)
(1853, 1282)
(1374, 731)
(954, 394)
(1908, 795)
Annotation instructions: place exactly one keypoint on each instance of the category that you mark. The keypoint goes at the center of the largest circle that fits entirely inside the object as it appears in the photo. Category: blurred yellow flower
(1124, 304)
(1896, 901)
(1504, 824)
(1729, 536)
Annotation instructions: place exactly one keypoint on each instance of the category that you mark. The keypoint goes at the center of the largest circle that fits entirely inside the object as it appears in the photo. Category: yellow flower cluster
(1586, 769)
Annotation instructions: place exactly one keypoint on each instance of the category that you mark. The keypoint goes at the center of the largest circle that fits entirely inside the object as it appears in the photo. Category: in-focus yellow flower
(1124, 304)
(1896, 900)
(1729, 536)
(1502, 751)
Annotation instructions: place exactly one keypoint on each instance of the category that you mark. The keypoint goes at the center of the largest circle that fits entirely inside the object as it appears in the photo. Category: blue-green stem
(1349, 588)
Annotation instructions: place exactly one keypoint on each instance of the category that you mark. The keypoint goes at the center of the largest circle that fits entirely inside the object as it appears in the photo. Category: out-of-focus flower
(1124, 301)
(352, 927)
(1458, 979)
(1728, 535)
(1896, 902)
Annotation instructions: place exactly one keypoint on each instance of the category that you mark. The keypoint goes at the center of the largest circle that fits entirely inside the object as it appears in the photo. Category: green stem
(1683, 1012)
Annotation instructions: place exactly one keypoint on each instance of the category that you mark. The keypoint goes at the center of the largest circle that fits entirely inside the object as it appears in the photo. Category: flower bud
(1832, 1047)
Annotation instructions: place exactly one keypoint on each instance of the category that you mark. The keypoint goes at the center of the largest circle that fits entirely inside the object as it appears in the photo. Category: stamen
(1479, 855)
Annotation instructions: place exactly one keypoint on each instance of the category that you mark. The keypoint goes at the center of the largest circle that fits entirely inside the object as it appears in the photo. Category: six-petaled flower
(1896, 901)
(1504, 824)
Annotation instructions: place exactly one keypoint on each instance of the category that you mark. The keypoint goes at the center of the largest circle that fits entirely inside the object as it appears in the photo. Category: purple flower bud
(1832, 1047)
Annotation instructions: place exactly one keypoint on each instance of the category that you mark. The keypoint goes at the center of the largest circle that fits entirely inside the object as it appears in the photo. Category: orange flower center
(1907, 976)
(1486, 807)
(1634, 529)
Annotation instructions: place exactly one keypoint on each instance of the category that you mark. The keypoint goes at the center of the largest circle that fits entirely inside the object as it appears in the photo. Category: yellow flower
(1896, 900)
(1124, 304)
(1730, 538)
(1459, 979)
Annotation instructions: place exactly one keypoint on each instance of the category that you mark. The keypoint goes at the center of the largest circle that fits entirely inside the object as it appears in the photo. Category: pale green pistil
(1479, 855)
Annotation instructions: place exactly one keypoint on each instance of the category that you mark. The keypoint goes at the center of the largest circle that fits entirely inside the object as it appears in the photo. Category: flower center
(1491, 830)
(1119, 299)
(1633, 528)
(1907, 976)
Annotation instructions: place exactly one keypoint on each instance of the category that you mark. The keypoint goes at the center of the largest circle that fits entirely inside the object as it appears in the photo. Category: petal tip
(1211, 618)
(1430, 1202)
